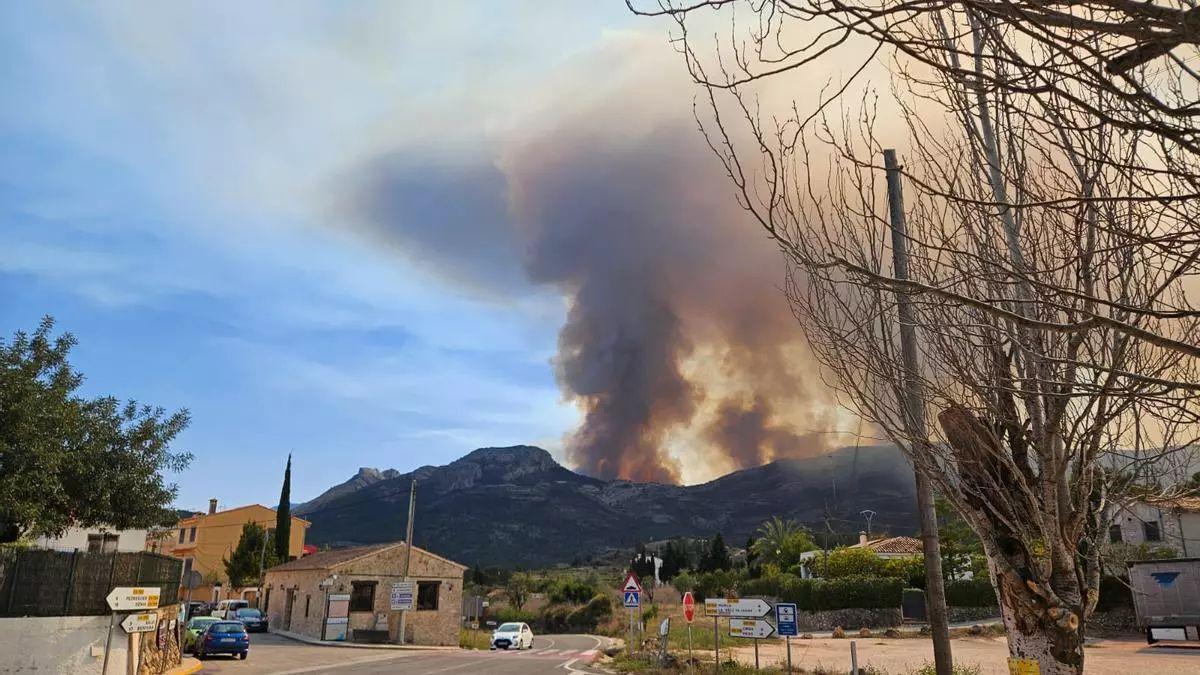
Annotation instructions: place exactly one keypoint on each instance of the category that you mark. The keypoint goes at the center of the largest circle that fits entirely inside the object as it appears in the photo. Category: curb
(359, 645)
(187, 666)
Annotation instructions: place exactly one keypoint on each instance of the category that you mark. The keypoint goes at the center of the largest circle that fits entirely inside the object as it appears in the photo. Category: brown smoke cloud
(676, 327)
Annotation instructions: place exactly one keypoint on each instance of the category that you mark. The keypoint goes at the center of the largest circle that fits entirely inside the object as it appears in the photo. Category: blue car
(223, 637)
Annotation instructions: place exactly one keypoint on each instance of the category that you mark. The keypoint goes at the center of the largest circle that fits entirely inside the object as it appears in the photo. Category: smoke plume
(678, 345)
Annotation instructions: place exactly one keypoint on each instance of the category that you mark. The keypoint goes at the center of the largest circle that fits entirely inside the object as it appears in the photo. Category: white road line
(448, 668)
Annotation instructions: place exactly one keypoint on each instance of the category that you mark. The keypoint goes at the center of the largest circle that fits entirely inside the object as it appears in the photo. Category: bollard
(853, 658)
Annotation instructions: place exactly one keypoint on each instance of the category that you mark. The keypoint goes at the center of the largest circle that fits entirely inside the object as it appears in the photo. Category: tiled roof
(906, 545)
(337, 557)
(327, 559)
(1189, 504)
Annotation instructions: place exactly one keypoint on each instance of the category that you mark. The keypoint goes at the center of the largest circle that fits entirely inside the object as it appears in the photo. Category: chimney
(212, 506)
(862, 536)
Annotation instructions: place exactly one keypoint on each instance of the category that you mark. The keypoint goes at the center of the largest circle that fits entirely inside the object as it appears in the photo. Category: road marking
(448, 668)
(355, 662)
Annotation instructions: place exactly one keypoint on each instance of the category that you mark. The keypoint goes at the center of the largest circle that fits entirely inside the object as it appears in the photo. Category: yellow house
(204, 540)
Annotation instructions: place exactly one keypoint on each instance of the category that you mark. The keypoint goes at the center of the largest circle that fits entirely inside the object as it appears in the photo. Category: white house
(97, 539)
(1173, 523)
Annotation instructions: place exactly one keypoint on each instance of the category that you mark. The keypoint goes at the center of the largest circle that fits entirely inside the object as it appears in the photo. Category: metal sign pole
(717, 641)
(630, 631)
(788, 641)
(112, 573)
(853, 658)
(691, 663)
(756, 653)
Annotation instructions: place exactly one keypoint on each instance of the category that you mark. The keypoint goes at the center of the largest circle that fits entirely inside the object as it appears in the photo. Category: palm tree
(773, 536)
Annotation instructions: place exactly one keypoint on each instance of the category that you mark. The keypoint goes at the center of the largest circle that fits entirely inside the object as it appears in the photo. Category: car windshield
(227, 627)
(509, 627)
(201, 622)
(248, 613)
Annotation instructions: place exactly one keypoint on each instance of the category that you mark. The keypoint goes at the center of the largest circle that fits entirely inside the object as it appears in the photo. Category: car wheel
(243, 655)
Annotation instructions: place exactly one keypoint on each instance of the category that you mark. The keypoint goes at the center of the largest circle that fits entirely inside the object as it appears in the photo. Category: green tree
(70, 460)
(957, 542)
(717, 556)
(254, 552)
(517, 589)
(780, 542)
(283, 514)
(849, 562)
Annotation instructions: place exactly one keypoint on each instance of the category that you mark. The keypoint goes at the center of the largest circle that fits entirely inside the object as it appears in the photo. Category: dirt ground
(1103, 657)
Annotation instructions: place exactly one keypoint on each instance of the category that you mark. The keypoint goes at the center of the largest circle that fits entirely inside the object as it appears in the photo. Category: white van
(227, 609)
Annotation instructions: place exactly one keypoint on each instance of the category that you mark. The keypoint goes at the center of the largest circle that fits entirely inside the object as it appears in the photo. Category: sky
(321, 226)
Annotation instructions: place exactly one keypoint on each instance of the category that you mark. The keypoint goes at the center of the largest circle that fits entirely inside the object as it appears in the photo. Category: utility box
(1166, 598)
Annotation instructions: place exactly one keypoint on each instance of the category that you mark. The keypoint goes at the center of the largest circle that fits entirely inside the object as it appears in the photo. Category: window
(181, 533)
(187, 567)
(1150, 528)
(192, 536)
(1114, 534)
(267, 600)
(102, 543)
(362, 596)
(427, 594)
(307, 599)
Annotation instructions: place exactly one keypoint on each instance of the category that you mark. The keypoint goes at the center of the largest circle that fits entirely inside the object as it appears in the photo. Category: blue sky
(172, 186)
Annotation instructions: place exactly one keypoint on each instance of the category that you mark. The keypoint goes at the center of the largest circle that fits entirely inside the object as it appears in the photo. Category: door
(288, 601)
(913, 604)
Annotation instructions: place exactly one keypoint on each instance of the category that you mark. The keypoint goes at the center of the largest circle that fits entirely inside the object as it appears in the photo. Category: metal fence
(61, 583)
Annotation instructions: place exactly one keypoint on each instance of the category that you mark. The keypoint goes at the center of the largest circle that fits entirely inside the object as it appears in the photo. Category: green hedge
(970, 593)
(824, 594)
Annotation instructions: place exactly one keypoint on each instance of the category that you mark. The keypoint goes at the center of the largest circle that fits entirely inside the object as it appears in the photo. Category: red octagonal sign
(689, 606)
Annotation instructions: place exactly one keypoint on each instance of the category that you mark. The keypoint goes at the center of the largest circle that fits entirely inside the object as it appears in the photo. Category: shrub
(909, 569)
(823, 594)
(571, 591)
(970, 593)
(510, 613)
(849, 562)
(1114, 593)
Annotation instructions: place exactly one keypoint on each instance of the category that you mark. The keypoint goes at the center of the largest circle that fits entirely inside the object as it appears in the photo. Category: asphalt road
(551, 654)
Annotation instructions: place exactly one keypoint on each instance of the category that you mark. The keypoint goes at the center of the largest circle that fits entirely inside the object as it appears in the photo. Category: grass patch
(474, 639)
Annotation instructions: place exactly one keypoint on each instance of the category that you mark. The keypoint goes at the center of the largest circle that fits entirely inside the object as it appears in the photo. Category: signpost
(402, 596)
(689, 613)
(631, 592)
(140, 623)
(747, 608)
(756, 629)
(126, 598)
(785, 623)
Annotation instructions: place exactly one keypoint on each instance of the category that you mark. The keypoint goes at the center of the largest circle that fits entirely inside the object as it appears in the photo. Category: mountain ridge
(516, 505)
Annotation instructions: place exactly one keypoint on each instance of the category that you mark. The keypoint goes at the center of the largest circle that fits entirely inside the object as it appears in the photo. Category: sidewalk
(188, 666)
(357, 645)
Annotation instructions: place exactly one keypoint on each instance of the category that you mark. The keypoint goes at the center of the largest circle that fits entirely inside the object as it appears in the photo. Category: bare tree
(1051, 228)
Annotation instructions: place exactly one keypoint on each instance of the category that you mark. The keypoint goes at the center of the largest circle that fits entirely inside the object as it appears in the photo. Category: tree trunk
(1057, 645)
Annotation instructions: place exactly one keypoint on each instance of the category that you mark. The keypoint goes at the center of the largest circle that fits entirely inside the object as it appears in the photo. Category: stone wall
(158, 651)
(849, 619)
(964, 614)
(422, 627)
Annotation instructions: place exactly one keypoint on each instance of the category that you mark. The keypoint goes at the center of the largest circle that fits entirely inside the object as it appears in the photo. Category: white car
(515, 635)
(227, 609)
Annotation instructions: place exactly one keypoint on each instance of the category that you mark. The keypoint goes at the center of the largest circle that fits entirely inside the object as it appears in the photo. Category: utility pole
(869, 515)
(914, 412)
(262, 558)
(412, 507)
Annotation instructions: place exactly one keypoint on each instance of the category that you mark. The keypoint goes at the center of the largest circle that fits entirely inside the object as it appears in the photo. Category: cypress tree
(283, 515)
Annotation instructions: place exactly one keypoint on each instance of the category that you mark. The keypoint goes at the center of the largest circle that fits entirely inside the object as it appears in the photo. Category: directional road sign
(128, 598)
(631, 584)
(140, 623)
(750, 628)
(402, 596)
(785, 619)
(689, 606)
(745, 608)
(633, 599)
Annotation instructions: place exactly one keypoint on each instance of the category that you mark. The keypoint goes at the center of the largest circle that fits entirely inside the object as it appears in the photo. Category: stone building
(346, 594)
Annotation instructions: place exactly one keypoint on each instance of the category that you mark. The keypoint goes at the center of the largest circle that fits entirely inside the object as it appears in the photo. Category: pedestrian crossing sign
(632, 599)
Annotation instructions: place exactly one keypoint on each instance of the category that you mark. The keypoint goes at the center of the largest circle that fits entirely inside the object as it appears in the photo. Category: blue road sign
(632, 599)
(785, 619)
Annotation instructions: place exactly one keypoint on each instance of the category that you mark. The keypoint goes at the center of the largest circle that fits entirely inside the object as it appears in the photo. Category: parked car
(223, 637)
(514, 635)
(254, 619)
(226, 608)
(195, 609)
(194, 628)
